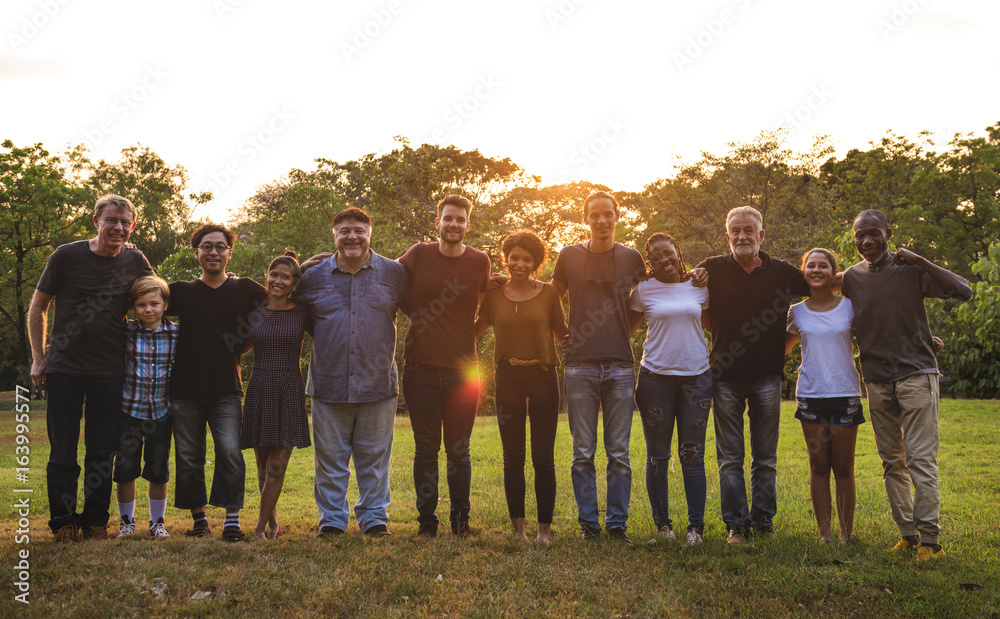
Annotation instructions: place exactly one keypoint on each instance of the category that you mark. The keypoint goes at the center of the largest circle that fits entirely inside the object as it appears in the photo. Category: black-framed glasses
(614, 267)
(220, 248)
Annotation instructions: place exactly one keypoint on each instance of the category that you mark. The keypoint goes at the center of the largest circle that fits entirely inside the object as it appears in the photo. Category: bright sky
(242, 91)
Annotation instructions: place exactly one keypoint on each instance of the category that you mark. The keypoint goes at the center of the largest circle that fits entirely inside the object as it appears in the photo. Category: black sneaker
(427, 532)
(619, 535)
(378, 530)
(329, 531)
(591, 534)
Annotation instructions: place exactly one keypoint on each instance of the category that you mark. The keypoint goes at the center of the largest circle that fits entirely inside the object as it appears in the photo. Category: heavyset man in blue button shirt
(354, 295)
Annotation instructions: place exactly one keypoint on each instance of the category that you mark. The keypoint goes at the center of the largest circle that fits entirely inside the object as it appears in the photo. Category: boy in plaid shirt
(149, 350)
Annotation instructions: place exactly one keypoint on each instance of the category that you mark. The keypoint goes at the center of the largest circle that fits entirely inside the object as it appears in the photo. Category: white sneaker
(158, 531)
(667, 531)
(126, 528)
(694, 537)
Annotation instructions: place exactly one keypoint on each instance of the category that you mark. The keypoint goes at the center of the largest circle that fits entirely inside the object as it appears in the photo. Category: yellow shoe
(925, 553)
(904, 545)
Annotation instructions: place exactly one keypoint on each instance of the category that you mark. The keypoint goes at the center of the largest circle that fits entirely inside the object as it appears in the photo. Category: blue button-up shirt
(149, 355)
(353, 355)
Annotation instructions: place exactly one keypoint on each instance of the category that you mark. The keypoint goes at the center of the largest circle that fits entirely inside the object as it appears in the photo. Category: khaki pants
(904, 415)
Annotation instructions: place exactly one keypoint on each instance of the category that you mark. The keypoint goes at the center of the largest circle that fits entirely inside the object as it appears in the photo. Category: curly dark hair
(291, 260)
(656, 237)
(528, 241)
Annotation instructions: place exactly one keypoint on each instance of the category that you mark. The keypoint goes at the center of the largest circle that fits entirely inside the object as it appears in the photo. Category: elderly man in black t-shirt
(205, 384)
(750, 294)
(85, 363)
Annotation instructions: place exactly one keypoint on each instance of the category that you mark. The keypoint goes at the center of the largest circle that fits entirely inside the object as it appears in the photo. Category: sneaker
(666, 531)
(200, 529)
(694, 537)
(66, 534)
(329, 531)
(590, 534)
(126, 528)
(736, 538)
(907, 544)
(157, 530)
(766, 533)
(427, 532)
(925, 552)
(378, 530)
(619, 535)
(96, 531)
(233, 534)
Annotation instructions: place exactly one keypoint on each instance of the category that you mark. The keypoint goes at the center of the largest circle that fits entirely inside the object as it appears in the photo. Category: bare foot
(518, 526)
(259, 535)
(544, 534)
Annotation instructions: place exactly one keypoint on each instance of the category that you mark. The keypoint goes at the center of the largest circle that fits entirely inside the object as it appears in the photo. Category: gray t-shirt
(599, 285)
(891, 327)
(91, 300)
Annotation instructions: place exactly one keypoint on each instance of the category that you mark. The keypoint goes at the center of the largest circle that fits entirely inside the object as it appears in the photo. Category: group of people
(139, 379)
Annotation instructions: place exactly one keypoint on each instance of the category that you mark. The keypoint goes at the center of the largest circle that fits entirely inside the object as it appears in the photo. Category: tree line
(941, 200)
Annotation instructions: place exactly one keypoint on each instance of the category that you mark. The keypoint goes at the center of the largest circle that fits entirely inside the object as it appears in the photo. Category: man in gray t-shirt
(900, 372)
(599, 275)
(85, 363)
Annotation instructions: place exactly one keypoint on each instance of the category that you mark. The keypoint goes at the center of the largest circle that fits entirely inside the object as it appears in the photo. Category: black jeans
(66, 400)
(441, 398)
(524, 392)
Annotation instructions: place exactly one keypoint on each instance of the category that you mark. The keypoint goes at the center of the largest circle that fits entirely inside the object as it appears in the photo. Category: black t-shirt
(214, 326)
(748, 312)
(91, 299)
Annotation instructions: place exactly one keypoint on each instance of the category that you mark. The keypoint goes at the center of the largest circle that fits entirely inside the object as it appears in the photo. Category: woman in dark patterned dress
(274, 413)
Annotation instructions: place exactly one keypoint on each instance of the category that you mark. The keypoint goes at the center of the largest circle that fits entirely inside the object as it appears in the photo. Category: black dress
(274, 412)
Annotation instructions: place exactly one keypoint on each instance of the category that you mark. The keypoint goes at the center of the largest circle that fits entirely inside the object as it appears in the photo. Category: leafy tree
(972, 332)
(158, 191)
(764, 174)
(41, 207)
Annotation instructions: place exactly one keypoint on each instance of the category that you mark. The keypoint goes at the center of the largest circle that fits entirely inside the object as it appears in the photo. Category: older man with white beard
(750, 292)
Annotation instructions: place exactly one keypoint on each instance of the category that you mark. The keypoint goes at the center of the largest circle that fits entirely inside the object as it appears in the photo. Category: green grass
(493, 575)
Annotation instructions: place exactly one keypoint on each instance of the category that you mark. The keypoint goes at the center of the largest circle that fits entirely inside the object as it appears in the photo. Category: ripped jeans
(662, 399)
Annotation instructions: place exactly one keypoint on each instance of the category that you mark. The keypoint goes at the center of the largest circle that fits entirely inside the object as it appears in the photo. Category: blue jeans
(662, 400)
(440, 400)
(591, 387)
(223, 416)
(761, 398)
(362, 431)
(67, 395)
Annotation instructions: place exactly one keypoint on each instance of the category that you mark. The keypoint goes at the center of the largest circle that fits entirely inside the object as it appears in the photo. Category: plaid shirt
(149, 354)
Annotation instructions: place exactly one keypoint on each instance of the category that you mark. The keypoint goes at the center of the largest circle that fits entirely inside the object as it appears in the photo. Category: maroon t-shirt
(444, 296)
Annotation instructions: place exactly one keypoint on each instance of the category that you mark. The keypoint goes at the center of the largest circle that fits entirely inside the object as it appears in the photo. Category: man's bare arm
(37, 315)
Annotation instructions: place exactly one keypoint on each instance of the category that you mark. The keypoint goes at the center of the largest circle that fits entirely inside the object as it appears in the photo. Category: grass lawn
(493, 575)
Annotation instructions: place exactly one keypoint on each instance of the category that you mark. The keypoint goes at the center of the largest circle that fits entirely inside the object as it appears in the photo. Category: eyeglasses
(113, 221)
(614, 267)
(219, 248)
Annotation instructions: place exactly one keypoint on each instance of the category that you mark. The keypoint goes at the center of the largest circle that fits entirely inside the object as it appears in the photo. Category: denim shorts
(143, 440)
(840, 412)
